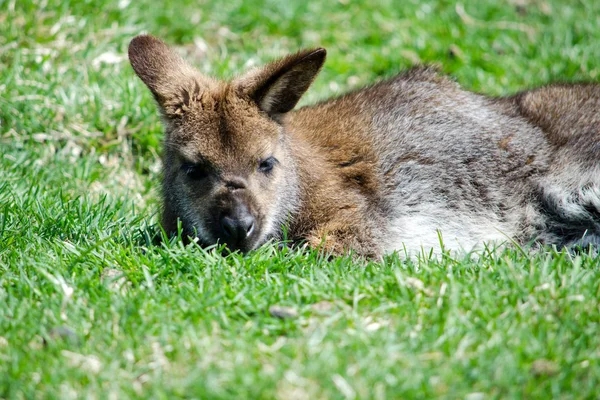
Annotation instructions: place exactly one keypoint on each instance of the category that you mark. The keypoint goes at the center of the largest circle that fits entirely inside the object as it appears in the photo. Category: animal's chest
(434, 226)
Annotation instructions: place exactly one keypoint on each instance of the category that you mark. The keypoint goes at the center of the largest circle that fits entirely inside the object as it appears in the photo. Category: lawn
(92, 306)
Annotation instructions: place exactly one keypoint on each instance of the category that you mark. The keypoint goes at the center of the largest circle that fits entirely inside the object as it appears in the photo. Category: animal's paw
(327, 244)
(333, 247)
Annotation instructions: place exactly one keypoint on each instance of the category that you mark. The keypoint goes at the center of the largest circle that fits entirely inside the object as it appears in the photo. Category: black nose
(236, 228)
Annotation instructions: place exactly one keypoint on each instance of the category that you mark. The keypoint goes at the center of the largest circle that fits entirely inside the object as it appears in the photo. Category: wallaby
(392, 166)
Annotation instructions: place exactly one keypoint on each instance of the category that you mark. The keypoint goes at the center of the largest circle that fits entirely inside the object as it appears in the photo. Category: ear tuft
(277, 87)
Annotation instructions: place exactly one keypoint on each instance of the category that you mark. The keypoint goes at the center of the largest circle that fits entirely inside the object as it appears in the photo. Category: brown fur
(563, 110)
(384, 165)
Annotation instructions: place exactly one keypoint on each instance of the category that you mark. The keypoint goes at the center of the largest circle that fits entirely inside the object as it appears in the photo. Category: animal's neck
(336, 178)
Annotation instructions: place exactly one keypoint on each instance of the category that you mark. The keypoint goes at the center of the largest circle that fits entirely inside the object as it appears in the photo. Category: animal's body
(388, 167)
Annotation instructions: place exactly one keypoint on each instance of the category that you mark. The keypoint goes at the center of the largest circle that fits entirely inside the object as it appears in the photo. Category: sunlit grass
(92, 306)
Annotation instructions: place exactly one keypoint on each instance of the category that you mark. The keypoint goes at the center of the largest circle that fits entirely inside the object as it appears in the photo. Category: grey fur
(475, 169)
(385, 168)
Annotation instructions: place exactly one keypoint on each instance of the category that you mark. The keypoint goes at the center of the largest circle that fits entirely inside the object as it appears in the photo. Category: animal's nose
(236, 228)
(235, 183)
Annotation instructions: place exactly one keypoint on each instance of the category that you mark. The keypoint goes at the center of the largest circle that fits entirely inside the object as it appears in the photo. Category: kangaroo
(388, 167)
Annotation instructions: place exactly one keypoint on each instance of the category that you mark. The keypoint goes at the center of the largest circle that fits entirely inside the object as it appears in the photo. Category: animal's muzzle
(236, 227)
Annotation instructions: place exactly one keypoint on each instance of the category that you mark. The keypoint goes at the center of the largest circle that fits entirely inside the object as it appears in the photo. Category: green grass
(91, 308)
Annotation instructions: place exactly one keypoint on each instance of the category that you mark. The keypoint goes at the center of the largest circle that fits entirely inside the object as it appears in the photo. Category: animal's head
(229, 174)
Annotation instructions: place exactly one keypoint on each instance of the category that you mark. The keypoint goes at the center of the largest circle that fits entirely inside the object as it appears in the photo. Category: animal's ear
(172, 81)
(278, 86)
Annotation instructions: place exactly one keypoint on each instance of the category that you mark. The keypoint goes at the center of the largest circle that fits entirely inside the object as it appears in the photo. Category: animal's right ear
(172, 81)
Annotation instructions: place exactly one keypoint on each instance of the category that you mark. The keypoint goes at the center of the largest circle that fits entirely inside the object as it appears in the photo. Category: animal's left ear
(277, 87)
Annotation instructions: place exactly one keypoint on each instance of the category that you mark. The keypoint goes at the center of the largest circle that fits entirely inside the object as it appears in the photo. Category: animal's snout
(237, 222)
(236, 228)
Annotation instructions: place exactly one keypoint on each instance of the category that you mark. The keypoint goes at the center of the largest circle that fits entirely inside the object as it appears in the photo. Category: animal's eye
(266, 165)
(194, 171)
